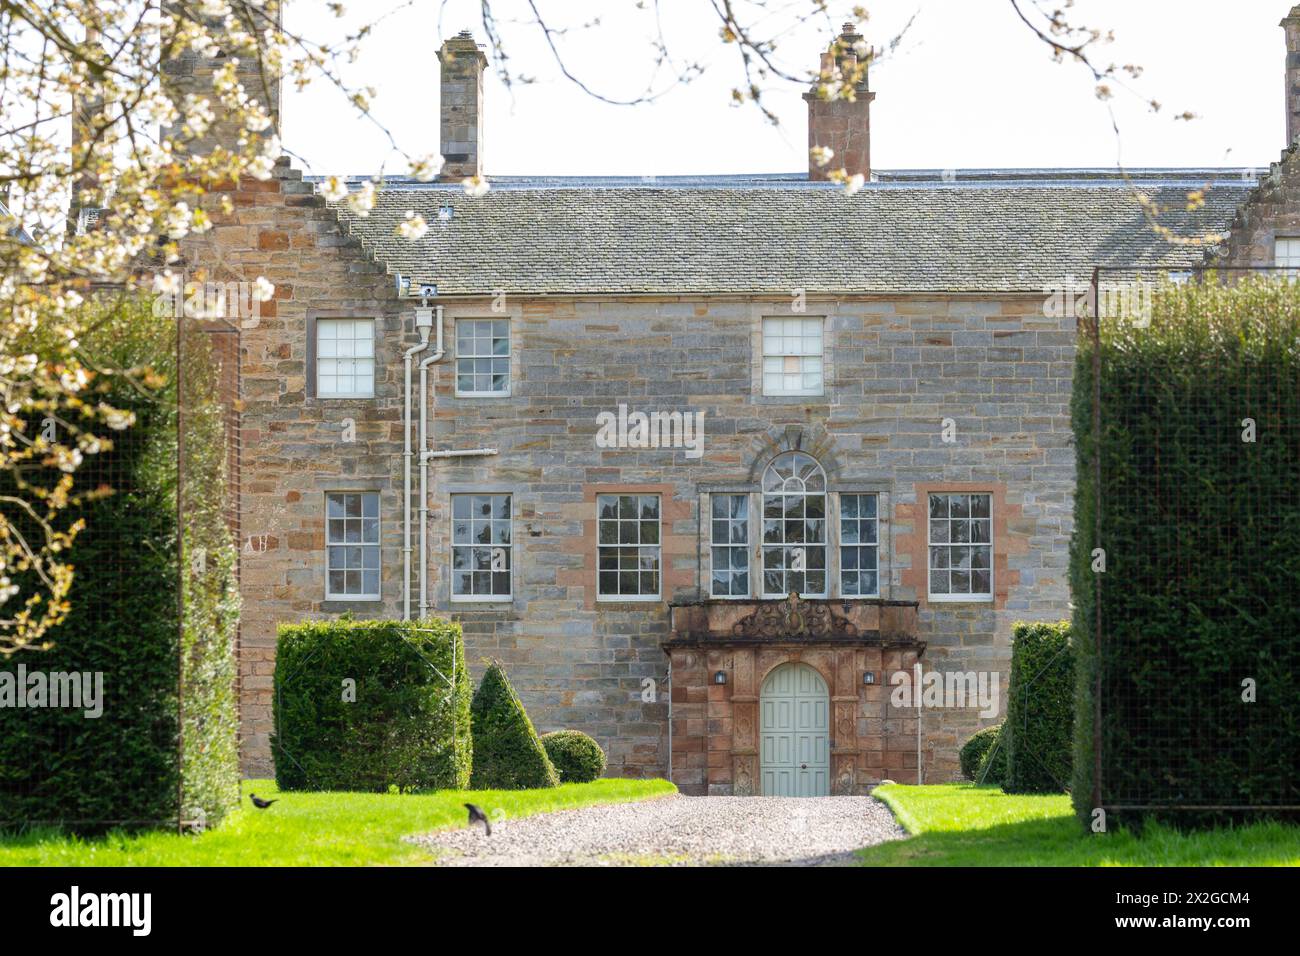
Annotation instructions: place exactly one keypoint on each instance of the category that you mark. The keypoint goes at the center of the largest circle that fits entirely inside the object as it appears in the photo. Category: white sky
(968, 87)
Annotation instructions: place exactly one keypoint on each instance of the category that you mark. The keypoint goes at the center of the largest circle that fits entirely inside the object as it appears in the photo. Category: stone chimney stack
(1291, 24)
(841, 125)
(461, 126)
(189, 71)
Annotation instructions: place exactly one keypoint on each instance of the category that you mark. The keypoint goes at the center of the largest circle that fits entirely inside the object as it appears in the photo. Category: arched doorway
(794, 756)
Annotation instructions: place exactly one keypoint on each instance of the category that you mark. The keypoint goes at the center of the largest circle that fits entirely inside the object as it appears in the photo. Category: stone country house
(859, 400)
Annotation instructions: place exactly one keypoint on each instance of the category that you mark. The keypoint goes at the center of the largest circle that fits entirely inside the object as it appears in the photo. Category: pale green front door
(795, 733)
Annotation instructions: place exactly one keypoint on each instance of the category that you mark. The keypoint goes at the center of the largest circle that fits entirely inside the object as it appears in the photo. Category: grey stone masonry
(1291, 26)
(461, 120)
(897, 367)
(189, 72)
(1271, 211)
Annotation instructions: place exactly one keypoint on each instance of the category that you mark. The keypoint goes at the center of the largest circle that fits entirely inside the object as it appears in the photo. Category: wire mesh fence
(1187, 544)
(125, 715)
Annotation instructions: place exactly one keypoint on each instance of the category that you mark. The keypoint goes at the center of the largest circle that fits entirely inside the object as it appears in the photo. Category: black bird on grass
(476, 815)
(260, 803)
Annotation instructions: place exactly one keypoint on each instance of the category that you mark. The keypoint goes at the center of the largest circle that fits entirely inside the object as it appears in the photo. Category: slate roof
(910, 232)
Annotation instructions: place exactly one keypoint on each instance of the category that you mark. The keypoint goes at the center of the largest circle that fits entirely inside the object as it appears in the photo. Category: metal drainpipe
(406, 470)
(917, 690)
(670, 718)
(435, 356)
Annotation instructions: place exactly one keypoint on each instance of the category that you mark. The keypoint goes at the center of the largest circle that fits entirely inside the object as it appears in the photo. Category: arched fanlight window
(794, 526)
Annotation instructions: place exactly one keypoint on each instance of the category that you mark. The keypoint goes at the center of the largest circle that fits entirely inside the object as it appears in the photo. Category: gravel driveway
(677, 830)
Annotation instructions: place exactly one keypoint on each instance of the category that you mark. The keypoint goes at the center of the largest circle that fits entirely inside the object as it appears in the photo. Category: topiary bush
(973, 750)
(577, 758)
(366, 705)
(1039, 729)
(154, 599)
(1189, 487)
(992, 767)
(507, 752)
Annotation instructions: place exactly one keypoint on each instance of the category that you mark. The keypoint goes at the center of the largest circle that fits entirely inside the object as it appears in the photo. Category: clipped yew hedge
(508, 755)
(154, 604)
(1201, 535)
(371, 706)
(1039, 730)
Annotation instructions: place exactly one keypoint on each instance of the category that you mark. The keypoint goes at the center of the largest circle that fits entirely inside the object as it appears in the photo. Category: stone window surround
(637, 596)
(706, 535)
(497, 599)
(914, 546)
(960, 597)
(828, 312)
(518, 544)
(674, 549)
(378, 545)
(313, 315)
(1292, 238)
(482, 309)
(451, 339)
(802, 319)
(884, 534)
(319, 559)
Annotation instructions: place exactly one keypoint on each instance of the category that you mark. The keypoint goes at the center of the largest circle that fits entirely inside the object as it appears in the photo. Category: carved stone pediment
(794, 617)
(864, 621)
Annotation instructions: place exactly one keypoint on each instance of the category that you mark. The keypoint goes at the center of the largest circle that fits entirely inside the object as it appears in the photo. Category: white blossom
(426, 168)
(413, 226)
(166, 283)
(363, 200)
(178, 221)
(334, 189)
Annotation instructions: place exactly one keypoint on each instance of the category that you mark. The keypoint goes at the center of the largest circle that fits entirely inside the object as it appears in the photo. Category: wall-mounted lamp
(869, 677)
(719, 677)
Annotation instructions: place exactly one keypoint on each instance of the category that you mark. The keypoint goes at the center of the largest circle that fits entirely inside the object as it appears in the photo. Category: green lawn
(315, 829)
(966, 825)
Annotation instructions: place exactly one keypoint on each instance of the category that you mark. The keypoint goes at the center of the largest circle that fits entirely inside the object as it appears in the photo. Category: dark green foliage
(973, 751)
(507, 752)
(132, 767)
(367, 705)
(577, 758)
(992, 767)
(1039, 730)
(1201, 532)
